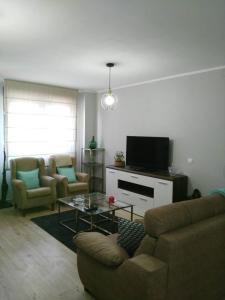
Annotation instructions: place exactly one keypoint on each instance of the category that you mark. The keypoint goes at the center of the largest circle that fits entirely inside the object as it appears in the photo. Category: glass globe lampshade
(109, 101)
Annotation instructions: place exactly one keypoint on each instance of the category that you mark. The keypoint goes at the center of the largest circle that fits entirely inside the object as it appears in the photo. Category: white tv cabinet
(145, 190)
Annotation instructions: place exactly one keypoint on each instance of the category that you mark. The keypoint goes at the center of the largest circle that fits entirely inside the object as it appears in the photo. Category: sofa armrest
(82, 177)
(101, 248)
(150, 272)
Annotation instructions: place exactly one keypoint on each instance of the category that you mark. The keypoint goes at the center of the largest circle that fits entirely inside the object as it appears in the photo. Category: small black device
(91, 208)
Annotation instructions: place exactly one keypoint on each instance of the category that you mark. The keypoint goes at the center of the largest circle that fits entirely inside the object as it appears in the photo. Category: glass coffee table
(92, 209)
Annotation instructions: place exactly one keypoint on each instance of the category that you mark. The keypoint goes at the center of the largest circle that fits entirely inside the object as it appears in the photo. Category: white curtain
(40, 120)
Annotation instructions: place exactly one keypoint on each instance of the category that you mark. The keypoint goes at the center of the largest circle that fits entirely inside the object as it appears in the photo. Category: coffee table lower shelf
(94, 224)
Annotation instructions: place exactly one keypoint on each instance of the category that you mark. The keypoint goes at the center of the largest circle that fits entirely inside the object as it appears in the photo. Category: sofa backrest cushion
(176, 215)
(195, 258)
(165, 218)
(205, 207)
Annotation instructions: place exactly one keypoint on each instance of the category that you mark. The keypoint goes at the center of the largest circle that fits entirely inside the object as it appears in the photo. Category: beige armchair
(26, 198)
(64, 188)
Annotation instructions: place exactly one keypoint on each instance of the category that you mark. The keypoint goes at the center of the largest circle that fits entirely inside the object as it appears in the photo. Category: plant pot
(119, 164)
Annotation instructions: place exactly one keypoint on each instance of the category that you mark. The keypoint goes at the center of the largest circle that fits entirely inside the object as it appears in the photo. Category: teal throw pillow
(30, 178)
(68, 172)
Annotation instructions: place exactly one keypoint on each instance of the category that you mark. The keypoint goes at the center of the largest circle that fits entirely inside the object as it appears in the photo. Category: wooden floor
(34, 265)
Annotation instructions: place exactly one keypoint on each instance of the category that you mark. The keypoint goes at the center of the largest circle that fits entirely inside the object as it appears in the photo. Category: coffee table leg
(59, 210)
(113, 221)
(92, 223)
(113, 216)
(76, 218)
(131, 212)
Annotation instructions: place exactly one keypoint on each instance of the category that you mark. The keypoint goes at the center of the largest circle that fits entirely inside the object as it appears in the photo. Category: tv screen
(147, 153)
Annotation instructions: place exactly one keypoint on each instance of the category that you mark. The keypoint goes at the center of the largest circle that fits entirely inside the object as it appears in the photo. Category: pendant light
(109, 100)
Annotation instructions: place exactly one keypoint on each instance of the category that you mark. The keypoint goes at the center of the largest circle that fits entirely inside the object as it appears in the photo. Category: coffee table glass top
(93, 203)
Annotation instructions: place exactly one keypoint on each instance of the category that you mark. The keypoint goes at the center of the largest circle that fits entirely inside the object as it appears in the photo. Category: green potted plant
(119, 159)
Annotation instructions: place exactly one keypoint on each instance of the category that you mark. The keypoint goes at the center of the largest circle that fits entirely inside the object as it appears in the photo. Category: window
(40, 120)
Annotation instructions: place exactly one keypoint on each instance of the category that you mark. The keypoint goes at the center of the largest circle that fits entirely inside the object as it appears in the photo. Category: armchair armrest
(62, 184)
(48, 181)
(150, 271)
(101, 248)
(19, 184)
(19, 193)
(82, 177)
(60, 178)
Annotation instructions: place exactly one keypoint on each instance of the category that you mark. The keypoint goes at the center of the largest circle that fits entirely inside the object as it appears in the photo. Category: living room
(169, 79)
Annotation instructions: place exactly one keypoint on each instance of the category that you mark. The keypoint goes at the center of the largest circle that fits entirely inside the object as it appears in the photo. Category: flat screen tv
(147, 153)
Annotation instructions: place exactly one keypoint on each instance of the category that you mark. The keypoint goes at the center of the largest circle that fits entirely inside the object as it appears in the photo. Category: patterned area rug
(50, 224)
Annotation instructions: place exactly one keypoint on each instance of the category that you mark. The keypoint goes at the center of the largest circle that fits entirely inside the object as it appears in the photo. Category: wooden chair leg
(53, 206)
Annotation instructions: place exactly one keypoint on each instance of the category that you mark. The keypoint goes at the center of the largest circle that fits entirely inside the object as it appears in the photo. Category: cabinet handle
(164, 183)
(126, 194)
(143, 199)
(111, 172)
(134, 176)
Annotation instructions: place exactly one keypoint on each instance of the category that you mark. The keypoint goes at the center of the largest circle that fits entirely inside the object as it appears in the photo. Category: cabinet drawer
(138, 179)
(141, 203)
(125, 196)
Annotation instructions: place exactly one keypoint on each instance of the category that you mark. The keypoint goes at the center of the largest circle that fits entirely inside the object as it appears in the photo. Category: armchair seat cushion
(101, 248)
(77, 186)
(39, 192)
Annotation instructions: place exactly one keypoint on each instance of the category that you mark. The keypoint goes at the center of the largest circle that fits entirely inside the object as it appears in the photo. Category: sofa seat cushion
(101, 248)
(77, 186)
(39, 192)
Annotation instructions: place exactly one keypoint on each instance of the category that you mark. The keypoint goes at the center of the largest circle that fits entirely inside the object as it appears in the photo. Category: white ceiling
(68, 42)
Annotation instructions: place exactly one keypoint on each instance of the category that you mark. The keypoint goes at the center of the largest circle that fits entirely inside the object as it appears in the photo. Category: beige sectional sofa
(182, 256)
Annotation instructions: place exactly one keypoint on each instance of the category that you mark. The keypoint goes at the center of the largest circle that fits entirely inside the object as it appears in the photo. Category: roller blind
(40, 120)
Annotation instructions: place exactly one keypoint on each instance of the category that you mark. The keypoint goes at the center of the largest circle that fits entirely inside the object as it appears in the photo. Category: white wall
(90, 116)
(1, 130)
(190, 110)
(86, 122)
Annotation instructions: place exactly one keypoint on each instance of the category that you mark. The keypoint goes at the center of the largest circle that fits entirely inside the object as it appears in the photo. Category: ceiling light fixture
(109, 100)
